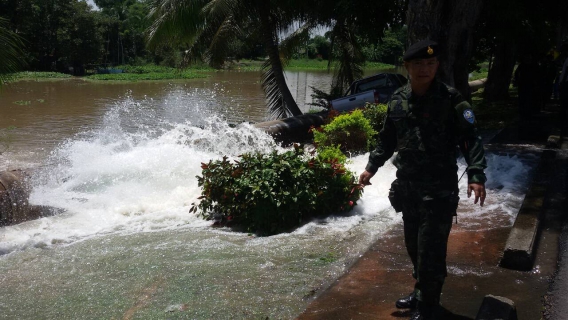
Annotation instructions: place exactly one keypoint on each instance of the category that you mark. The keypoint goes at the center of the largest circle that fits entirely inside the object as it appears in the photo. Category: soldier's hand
(365, 178)
(479, 192)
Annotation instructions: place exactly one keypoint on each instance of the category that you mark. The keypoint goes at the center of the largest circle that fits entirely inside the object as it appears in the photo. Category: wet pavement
(373, 283)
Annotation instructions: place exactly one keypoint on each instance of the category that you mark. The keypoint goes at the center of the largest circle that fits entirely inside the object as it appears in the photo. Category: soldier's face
(422, 71)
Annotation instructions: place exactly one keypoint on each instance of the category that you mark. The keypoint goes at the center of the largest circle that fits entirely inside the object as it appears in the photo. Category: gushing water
(124, 244)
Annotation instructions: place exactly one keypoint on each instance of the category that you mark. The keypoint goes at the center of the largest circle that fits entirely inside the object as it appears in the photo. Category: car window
(403, 80)
(372, 84)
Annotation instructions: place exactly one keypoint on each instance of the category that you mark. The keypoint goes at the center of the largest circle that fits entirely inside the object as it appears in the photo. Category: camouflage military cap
(421, 50)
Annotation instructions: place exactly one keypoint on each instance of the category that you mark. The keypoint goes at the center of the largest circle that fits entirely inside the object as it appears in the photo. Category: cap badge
(430, 50)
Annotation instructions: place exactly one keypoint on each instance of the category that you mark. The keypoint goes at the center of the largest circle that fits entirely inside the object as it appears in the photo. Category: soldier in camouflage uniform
(425, 122)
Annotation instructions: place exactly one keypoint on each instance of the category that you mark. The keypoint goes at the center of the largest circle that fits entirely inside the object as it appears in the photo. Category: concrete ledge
(554, 139)
(495, 307)
(477, 84)
(522, 242)
(14, 193)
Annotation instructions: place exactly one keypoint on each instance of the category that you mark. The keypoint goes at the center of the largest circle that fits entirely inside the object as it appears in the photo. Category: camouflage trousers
(427, 225)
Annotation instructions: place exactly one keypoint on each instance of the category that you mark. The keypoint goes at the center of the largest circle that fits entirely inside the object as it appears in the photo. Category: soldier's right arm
(385, 147)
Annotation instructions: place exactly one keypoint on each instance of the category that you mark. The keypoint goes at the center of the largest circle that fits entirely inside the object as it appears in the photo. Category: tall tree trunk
(270, 40)
(464, 16)
(424, 19)
(499, 77)
(450, 23)
(562, 29)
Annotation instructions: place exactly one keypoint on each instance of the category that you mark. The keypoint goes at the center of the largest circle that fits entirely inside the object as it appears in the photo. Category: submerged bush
(273, 193)
(276, 192)
(376, 114)
(352, 132)
(331, 153)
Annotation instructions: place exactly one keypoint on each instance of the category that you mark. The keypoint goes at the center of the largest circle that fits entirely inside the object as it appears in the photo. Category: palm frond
(290, 44)
(10, 52)
(322, 99)
(219, 43)
(274, 97)
(280, 100)
(175, 21)
(348, 57)
(220, 8)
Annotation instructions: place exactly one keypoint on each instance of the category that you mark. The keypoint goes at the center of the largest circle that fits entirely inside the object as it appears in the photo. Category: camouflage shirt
(426, 132)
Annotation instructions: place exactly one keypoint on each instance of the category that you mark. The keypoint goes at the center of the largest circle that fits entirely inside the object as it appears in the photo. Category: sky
(92, 3)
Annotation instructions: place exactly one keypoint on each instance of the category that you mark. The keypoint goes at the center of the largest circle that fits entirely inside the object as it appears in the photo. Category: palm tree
(207, 26)
(10, 52)
(351, 24)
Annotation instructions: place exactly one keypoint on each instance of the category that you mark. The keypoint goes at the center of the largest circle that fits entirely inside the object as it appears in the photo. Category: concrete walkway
(372, 284)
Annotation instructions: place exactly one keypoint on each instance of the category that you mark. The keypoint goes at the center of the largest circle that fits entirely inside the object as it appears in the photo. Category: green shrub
(272, 193)
(376, 114)
(352, 132)
(330, 153)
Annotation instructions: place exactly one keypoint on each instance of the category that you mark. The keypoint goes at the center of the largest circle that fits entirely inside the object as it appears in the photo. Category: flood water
(119, 162)
(48, 112)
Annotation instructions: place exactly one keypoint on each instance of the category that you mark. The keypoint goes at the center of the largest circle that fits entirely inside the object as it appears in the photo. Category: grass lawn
(298, 64)
(150, 72)
(38, 75)
(153, 72)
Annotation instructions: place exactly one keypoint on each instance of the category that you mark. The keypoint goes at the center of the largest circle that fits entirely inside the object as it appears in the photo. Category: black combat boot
(417, 316)
(425, 312)
(408, 302)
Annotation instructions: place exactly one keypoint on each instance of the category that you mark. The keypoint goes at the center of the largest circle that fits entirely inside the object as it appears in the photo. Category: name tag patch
(397, 110)
(469, 116)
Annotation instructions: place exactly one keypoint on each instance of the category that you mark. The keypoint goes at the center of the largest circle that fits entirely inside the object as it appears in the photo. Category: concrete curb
(554, 140)
(554, 301)
(495, 307)
(523, 239)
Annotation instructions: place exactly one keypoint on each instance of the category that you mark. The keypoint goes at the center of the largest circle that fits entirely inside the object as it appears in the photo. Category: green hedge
(273, 193)
(352, 132)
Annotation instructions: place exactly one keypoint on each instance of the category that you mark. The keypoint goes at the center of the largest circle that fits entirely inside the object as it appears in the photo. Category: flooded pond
(120, 160)
(48, 112)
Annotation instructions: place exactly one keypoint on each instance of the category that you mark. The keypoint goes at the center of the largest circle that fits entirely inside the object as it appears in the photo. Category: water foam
(120, 178)
(508, 176)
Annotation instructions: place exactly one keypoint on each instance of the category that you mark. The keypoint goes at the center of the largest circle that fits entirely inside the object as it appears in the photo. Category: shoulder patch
(469, 116)
(396, 109)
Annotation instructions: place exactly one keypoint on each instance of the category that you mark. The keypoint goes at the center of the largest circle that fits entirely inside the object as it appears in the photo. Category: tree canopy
(59, 34)
(11, 51)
